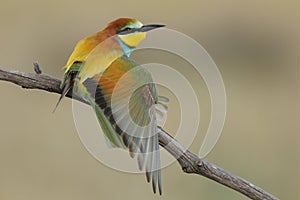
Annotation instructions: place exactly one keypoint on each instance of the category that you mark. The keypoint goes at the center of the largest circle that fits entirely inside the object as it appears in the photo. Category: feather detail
(68, 82)
(124, 99)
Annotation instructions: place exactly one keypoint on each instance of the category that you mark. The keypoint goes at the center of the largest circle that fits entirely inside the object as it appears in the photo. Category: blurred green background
(255, 44)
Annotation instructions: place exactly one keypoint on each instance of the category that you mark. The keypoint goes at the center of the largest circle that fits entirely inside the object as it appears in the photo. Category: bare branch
(189, 162)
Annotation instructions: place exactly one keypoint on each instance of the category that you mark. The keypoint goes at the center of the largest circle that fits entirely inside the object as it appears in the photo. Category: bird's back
(85, 46)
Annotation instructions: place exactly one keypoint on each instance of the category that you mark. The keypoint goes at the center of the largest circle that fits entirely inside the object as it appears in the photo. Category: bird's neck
(126, 49)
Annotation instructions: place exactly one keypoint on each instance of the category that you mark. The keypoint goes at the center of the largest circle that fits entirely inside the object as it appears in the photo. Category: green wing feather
(124, 97)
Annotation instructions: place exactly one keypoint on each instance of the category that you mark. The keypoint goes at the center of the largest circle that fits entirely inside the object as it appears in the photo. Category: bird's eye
(126, 29)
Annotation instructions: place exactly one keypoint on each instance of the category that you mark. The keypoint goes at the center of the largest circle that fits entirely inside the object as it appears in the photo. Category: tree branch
(189, 162)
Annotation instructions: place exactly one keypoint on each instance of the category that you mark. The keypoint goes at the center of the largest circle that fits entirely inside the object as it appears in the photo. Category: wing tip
(156, 182)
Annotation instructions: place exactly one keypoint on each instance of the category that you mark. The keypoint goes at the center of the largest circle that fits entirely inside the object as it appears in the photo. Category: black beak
(149, 27)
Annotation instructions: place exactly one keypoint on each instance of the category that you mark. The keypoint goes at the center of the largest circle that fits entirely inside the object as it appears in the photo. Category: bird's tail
(68, 81)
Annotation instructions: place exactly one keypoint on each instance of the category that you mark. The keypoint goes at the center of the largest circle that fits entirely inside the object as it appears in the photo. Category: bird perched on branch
(121, 92)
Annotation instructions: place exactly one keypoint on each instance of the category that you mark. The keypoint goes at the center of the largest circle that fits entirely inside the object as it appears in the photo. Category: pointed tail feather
(68, 81)
(66, 86)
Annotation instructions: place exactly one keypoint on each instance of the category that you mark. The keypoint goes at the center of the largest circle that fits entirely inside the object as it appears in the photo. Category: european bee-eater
(106, 78)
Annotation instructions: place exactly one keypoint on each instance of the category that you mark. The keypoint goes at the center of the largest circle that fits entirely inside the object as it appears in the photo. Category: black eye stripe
(126, 31)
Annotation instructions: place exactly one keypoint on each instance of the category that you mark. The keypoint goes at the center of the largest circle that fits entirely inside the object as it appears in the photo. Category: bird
(120, 91)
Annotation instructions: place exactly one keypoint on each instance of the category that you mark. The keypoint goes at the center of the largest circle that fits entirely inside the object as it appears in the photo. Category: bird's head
(131, 31)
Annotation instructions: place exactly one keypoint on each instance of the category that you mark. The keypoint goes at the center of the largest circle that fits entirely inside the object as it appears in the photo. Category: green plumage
(120, 91)
(123, 97)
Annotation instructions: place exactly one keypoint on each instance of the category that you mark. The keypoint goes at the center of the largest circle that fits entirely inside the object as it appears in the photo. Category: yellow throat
(133, 40)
